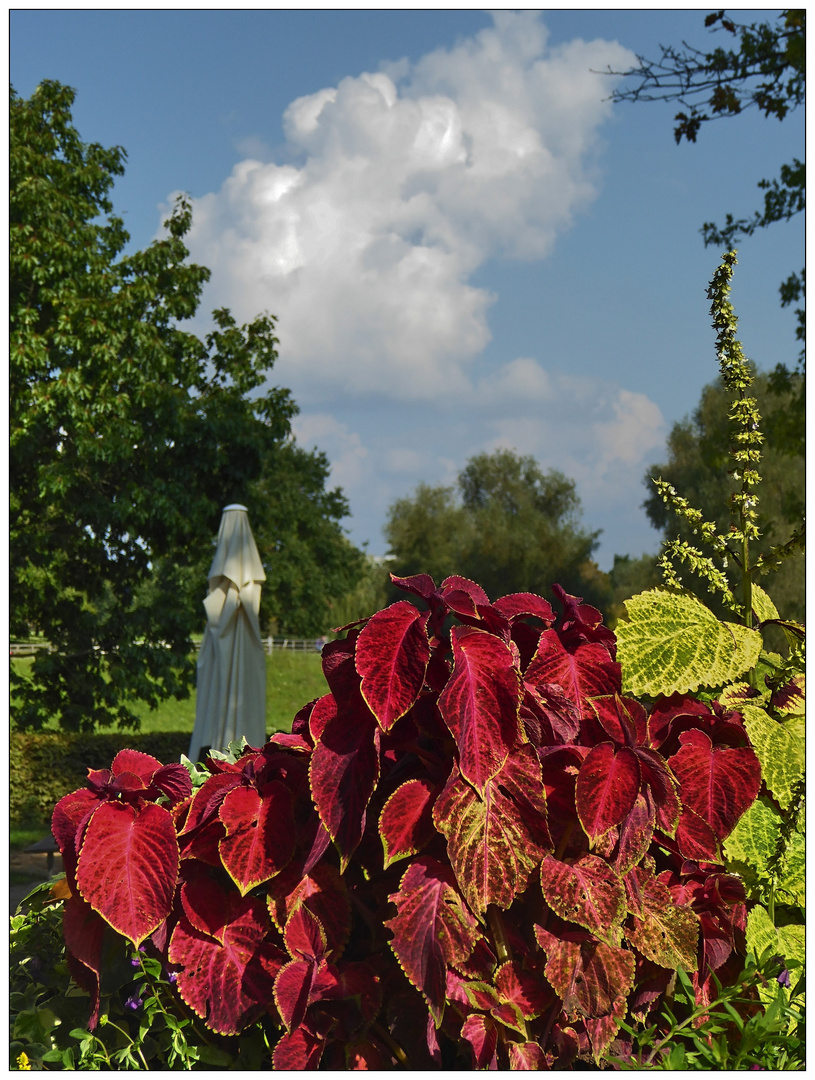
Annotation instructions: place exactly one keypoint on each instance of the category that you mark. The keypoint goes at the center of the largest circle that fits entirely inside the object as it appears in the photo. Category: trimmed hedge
(46, 766)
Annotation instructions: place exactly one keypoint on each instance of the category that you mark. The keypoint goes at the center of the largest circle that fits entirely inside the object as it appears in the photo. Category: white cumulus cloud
(400, 184)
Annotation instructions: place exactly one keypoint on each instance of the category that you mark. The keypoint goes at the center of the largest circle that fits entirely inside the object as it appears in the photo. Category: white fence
(270, 644)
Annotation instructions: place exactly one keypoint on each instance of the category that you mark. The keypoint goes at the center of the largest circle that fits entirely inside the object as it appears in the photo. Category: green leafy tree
(766, 70)
(699, 464)
(128, 434)
(506, 524)
(309, 561)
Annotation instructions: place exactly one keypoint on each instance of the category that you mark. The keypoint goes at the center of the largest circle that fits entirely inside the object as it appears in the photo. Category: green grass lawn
(292, 680)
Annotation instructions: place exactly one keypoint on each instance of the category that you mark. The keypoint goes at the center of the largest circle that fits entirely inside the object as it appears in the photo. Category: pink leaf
(391, 657)
(454, 583)
(583, 673)
(406, 822)
(661, 930)
(304, 935)
(343, 773)
(719, 783)
(526, 1056)
(259, 837)
(128, 867)
(522, 989)
(323, 892)
(588, 975)
(607, 787)
(520, 604)
(481, 702)
(495, 841)
(433, 929)
(662, 786)
(482, 1035)
(695, 838)
(587, 892)
(227, 983)
(298, 1050)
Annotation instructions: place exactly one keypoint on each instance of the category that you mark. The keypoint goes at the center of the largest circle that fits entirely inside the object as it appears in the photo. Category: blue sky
(466, 246)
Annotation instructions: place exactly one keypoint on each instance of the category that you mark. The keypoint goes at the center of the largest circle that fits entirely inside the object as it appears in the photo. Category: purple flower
(784, 978)
(172, 976)
(133, 1002)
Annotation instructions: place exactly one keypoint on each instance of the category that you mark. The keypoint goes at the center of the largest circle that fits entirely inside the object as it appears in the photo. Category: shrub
(475, 850)
(46, 766)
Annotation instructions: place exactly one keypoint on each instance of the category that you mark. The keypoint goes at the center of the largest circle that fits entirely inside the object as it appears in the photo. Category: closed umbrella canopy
(231, 685)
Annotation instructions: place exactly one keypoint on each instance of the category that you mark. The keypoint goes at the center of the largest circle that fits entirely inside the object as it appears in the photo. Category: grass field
(292, 680)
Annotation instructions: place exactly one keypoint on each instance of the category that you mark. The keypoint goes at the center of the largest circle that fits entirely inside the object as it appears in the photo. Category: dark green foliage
(508, 525)
(308, 559)
(128, 435)
(697, 466)
(43, 767)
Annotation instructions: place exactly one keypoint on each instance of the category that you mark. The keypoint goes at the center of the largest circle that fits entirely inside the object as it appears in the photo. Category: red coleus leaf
(325, 709)
(207, 906)
(558, 717)
(365, 1054)
(323, 892)
(662, 931)
(623, 718)
(518, 605)
(259, 837)
(635, 834)
(589, 976)
(128, 866)
(480, 703)
(656, 777)
(304, 935)
(134, 761)
(68, 820)
(455, 583)
(205, 802)
(300, 983)
(526, 1056)
(343, 773)
(581, 622)
(522, 989)
(584, 673)
(495, 841)
(481, 1033)
(433, 929)
(406, 822)
(602, 1029)
(227, 983)
(391, 657)
(607, 787)
(695, 838)
(298, 1050)
(587, 892)
(719, 783)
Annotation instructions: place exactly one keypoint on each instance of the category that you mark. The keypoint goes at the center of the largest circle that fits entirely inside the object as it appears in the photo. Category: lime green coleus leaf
(673, 643)
(780, 748)
(787, 941)
(755, 836)
(762, 605)
(791, 887)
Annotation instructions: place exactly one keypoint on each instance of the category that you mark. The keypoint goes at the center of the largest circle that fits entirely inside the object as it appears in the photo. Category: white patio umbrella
(231, 682)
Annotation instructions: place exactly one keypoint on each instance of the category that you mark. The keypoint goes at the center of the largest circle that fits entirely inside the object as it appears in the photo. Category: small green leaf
(674, 644)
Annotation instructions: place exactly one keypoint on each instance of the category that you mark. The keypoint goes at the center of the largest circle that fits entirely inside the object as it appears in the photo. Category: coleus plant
(474, 851)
